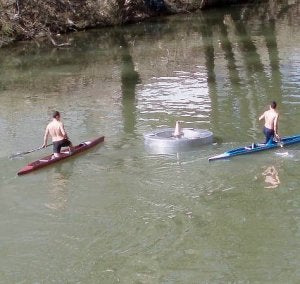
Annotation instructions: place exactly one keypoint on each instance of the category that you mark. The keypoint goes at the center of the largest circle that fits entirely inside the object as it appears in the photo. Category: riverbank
(32, 19)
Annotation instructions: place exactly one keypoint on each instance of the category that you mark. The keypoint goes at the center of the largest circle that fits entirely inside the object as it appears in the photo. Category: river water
(120, 214)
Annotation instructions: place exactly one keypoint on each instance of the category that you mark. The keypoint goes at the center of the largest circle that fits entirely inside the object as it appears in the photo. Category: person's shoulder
(60, 124)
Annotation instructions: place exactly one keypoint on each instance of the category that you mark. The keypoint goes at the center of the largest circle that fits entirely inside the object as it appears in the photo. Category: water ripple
(182, 95)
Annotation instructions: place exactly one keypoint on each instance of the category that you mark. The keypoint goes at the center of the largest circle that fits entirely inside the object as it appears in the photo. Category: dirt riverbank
(31, 19)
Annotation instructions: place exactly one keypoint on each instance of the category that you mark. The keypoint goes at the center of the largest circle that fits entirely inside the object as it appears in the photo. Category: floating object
(254, 148)
(177, 132)
(49, 160)
(170, 140)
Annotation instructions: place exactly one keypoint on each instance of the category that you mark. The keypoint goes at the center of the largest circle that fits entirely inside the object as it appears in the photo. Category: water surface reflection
(271, 177)
(59, 190)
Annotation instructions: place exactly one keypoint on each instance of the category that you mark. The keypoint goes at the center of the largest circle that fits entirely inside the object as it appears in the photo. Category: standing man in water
(58, 134)
(271, 123)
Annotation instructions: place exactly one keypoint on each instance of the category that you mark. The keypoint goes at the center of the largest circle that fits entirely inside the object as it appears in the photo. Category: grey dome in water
(163, 141)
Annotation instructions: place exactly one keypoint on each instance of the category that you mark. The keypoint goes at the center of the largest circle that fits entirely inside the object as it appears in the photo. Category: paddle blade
(27, 152)
(19, 154)
(16, 155)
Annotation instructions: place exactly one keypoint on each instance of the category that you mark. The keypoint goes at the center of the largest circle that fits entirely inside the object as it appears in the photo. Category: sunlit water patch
(184, 95)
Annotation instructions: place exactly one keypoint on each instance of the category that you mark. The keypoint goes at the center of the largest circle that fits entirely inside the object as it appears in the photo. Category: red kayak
(48, 160)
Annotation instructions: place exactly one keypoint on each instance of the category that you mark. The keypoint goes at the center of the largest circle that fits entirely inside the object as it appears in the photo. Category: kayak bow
(49, 160)
(254, 148)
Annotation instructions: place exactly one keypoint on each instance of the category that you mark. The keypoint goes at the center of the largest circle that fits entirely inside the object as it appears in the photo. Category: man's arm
(262, 116)
(63, 131)
(276, 125)
(46, 137)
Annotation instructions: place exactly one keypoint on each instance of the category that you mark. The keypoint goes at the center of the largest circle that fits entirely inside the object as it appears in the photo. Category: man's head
(56, 114)
(273, 105)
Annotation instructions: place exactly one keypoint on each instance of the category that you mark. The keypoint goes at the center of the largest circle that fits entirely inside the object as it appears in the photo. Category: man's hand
(44, 145)
(278, 138)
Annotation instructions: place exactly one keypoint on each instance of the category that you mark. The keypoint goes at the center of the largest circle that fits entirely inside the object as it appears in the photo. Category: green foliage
(27, 19)
(6, 28)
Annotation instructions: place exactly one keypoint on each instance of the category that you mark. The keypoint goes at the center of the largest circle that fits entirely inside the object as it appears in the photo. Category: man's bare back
(271, 123)
(56, 130)
(58, 134)
(271, 117)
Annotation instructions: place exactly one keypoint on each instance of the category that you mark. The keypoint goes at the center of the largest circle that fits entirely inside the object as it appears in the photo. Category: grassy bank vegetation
(29, 19)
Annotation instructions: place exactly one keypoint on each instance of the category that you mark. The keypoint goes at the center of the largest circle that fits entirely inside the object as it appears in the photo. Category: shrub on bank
(28, 19)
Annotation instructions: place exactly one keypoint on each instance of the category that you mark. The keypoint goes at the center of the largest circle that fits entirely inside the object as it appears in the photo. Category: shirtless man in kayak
(58, 134)
(271, 123)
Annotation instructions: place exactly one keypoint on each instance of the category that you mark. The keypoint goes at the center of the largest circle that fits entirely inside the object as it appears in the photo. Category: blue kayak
(254, 148)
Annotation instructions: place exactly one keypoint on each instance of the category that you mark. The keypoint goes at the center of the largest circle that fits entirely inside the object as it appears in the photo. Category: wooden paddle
(27, 152)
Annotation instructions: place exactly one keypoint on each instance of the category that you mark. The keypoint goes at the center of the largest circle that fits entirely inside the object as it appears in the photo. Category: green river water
(119, 214)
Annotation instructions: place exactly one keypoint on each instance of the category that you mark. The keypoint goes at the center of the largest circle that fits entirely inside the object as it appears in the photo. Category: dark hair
(273, 105)
(55, 114)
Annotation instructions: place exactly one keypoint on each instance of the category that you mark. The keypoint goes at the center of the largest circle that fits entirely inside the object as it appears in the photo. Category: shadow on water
(261, 88)
(269, 33)
(206, 32)
(129, 79)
